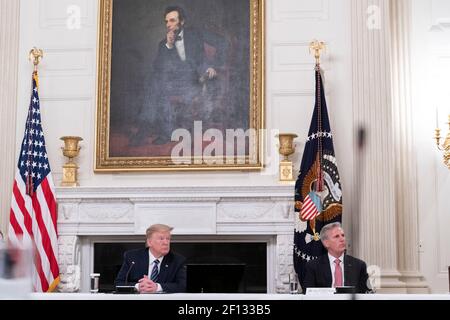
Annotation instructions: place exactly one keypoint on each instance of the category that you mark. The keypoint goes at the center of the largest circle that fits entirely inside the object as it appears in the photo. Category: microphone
(359, 172)
(361, 137)
(126, 289)
(128, 273)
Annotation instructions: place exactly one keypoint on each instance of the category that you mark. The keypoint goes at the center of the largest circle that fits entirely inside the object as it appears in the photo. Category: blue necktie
(155, 271)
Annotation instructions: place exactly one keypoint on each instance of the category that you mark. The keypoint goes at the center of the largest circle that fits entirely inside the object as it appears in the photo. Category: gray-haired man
(336, 269)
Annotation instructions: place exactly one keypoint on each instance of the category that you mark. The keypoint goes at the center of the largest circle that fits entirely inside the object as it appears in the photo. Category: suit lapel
(188, 42)
(144, 259)
(164, 269)
(326, 270)
(348, 271)
(193, 46)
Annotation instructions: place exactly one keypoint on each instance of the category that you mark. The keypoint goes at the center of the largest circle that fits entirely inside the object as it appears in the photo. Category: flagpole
(316, 47)
(34, 56)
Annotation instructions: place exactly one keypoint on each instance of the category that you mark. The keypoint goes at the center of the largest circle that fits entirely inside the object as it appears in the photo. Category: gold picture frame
(137, 103)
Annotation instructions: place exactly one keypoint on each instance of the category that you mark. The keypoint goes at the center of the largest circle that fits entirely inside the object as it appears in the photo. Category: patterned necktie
(337, 274)
(155, 271)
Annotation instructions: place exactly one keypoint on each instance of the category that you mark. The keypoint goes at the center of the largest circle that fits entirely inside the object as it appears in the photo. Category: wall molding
(279, 13)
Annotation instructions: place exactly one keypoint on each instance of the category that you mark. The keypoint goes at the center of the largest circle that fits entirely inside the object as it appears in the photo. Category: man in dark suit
(180, 69)
(155, 268)
(336, 269)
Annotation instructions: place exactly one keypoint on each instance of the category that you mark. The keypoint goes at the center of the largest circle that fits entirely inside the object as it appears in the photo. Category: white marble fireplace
(90, 214)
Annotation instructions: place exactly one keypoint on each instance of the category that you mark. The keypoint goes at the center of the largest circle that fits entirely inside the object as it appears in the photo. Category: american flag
(33, 211)
(311, 207)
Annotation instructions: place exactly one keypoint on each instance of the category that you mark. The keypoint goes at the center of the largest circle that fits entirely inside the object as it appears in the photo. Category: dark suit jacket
(176, 76)
(172, 272)
(318, 273)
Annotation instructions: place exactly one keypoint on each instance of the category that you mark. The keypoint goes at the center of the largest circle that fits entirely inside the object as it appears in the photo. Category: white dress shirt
(179, 45)
(151, 265)
(333, 267)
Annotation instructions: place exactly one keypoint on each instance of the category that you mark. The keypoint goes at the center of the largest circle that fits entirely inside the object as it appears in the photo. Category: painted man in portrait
(183, 79)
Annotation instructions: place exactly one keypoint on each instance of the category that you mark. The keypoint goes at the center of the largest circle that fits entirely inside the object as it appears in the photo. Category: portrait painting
(180, 85)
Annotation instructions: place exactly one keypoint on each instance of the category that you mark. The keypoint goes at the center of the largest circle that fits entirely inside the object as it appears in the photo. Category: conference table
(233, 296)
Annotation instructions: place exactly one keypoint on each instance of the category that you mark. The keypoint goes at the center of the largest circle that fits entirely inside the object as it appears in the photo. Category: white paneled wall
(431, 76)
(291, 26)
(67, 75)
(68, 83)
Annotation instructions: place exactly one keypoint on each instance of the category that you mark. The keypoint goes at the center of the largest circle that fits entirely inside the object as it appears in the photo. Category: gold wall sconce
(70, 169)
(287, 147)
(445, 147)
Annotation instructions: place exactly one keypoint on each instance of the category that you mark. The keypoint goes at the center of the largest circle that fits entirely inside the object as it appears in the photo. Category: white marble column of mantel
(69, 261)
(374, 223)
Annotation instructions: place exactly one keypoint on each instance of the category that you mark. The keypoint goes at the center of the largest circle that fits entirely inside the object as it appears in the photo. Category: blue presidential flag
(318, 191)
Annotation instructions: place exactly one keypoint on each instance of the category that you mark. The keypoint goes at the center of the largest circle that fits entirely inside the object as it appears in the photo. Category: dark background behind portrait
(138, 27)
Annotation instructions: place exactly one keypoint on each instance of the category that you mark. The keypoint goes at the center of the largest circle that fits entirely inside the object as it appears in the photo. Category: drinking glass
(293, 283)
(94, 282)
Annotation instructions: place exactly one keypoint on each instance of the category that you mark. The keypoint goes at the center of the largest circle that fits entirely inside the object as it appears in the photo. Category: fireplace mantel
(85, 212)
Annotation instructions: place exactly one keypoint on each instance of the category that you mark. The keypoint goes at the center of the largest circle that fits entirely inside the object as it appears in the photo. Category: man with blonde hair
(154, 269)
